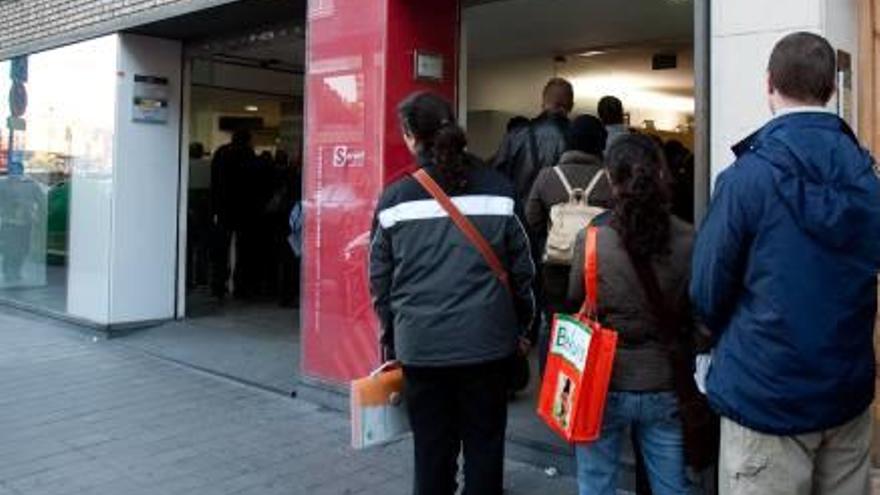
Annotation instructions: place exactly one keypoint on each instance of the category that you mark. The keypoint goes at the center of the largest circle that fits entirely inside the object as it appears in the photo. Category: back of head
(241, 137)
(196, 150)
(429, 119)
(642, 196)
(558, 96)
(588, 135)
(611, 110)
(803, 68)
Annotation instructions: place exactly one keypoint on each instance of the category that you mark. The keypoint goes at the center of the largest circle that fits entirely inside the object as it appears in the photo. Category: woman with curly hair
(639, 232)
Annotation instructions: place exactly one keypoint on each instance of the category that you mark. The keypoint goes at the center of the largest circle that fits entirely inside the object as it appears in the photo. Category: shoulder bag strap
(651, 285)
(671, 324)
(533, 147)
(536, 156)
(464, 225)
(593, 183)
(591, 273)
(564, 180)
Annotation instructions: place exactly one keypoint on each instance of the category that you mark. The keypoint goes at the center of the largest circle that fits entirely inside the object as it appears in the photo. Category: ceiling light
(592, 53)
(252, 108)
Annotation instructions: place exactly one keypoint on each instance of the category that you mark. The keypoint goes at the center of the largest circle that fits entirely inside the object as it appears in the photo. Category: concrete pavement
(79, 416)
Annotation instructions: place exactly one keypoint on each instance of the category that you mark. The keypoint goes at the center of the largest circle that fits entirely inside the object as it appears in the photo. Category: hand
(523, 347)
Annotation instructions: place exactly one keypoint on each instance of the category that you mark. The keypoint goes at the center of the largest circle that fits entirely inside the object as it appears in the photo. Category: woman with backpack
(578, 180)
(644, 256)
(451, 275)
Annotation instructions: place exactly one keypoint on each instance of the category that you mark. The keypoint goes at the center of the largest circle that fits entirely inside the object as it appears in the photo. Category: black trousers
(455, 409)
(221, 243)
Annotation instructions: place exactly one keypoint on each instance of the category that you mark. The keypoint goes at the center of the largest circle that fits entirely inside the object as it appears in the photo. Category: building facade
(92, 64)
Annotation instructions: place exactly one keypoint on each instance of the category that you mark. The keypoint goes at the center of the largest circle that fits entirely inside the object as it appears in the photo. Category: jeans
(454, 409)
(656, 426)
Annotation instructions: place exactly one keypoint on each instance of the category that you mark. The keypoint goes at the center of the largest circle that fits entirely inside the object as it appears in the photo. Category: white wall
(91, 197)
(743, 35)
(146, 185)
(512, 86)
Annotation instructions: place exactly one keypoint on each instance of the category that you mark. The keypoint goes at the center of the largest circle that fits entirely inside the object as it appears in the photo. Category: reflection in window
(57, 112)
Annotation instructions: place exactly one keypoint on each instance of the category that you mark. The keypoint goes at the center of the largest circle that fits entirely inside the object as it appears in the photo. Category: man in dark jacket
(229, 200)
(527, 149)
(785, 271)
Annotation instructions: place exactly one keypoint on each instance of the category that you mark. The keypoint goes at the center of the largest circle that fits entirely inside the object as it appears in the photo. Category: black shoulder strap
(669, 322)
(533, 147)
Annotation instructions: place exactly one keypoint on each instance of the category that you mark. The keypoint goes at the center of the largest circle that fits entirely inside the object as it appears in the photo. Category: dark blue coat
(785, 270)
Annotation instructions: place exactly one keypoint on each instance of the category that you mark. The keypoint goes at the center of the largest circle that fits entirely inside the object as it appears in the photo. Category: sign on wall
(150, 105)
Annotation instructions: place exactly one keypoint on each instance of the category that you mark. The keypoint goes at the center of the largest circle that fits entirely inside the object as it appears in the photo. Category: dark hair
(611, 110)
(241, 137)
(587, 134)
(641, 195)
(558, 95)
(803, 67)
(430, 120)
(196, 150)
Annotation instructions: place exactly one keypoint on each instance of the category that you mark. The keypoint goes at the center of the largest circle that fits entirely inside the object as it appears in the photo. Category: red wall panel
(360, 57)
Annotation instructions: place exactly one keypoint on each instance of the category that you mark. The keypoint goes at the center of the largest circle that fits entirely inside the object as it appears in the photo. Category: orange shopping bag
(579, 364)
(378, 412)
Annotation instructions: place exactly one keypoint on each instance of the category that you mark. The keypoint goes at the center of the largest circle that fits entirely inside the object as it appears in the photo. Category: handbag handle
(590, 307)
(464, 225)
(386, 366)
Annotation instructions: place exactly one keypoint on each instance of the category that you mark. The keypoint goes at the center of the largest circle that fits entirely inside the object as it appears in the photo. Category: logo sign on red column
(18, 99)
(344, 156)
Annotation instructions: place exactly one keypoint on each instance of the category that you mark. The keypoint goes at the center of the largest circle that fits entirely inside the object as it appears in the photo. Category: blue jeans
(656, 425)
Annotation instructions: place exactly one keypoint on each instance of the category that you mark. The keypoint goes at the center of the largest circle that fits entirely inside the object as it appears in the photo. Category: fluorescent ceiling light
(592, 53)
(252, 108)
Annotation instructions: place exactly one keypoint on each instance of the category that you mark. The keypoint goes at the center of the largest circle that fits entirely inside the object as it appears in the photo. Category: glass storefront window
(57, 114)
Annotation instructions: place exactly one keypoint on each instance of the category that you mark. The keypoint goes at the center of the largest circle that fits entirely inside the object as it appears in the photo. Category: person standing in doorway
(611, 114)
(530, 147)
(640, 236)
(228, 204)
(581, 167)
(785, 276)
(445, 314)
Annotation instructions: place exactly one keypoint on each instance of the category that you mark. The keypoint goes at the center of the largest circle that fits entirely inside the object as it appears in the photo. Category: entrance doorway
(241, 165)
(644, 55)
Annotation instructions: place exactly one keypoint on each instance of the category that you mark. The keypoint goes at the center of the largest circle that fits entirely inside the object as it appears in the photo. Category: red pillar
(360, 64)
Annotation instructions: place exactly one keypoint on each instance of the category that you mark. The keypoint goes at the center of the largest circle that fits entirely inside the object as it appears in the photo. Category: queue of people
(774, 296)
(246, 213)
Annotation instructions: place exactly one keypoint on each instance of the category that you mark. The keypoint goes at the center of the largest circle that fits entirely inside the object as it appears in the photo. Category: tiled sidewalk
(92, 417)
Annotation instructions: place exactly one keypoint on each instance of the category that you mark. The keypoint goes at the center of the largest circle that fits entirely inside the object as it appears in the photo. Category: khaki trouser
(832, 462)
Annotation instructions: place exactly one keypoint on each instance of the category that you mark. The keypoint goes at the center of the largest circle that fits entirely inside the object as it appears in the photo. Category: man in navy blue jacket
(785, 276)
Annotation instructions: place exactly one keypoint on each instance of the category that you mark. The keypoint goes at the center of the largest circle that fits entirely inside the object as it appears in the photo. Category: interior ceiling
(289, 54)
(235, 17)
(634, 62)
(251, 32)
(235, 102)
(515, 28)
